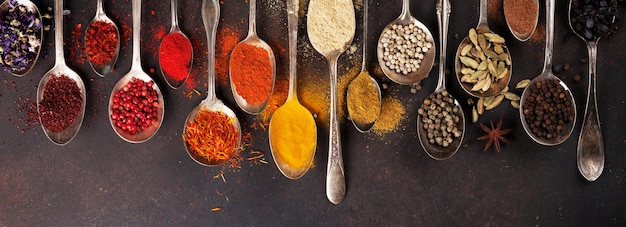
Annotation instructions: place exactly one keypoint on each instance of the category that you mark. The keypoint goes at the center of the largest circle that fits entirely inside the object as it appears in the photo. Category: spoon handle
(365, 37)
(443, 17)
(292, 21)
(99, 8)
(252, 19)
(335, 178)
(136, 64)
(174, 10)
(58, 33)
(210, 17)
(547, 65)
(590, 151)
(483, 20)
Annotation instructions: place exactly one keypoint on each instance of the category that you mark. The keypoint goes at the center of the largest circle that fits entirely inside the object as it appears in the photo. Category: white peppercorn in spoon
(590, 150)
(434, 150)
(65, 136)
(423, 62)
(548, 76)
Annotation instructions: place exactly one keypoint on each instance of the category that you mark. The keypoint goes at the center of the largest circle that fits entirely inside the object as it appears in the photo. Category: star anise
(494, 135)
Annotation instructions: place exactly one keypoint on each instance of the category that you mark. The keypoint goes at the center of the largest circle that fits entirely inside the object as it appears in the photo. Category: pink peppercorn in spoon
(140, 82)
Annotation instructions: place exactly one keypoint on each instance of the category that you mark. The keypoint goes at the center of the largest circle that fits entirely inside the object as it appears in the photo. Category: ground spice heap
(175, 55)
(251, 73)
(521, 15)
(293, 137)
(548, 110)
(20, 28)
(363, 99)
(101, 42)
(211, 138)
(330, 24)
(61, 103)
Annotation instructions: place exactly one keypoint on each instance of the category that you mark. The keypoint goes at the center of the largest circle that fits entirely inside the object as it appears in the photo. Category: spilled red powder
(77, 55)
(125, 33)
(199, 64)
(227, 38)
(278, 98)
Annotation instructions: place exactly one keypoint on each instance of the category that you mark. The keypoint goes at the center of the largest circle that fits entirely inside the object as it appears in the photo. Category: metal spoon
(498, 85)
(4, 7)
(360, 126)
(210, 17)
(426, 65)
(547, 75)
(138, 73)
(105, 68)
(590, 150)
(175, 29)
(65, 136)
(253, 40)
(522, 36)
(433, 150)
(335, 178)
(292, 97)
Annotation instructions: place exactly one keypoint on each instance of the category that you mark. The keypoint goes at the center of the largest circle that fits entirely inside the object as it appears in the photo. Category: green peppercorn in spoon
(65, 136)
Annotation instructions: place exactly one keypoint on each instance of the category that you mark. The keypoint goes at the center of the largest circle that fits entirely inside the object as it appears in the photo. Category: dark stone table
(100, 179)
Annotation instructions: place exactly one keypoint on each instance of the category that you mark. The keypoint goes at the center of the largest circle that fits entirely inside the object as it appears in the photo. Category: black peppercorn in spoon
(538, 120)
(591, 21)
(60, 68)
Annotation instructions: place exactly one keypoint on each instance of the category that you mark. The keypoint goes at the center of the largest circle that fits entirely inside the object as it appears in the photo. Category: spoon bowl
(30, 6)
(364, 127)
(590, 149)
(521, 36)
(428, 60)
(253, 40)
(548, 76)
(137, 72)
(434, 150)
(107, 67)
(175, 30)
(497, 86)
(210, 18)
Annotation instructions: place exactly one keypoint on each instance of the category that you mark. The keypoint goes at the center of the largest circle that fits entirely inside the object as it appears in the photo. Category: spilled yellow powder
(391, 115)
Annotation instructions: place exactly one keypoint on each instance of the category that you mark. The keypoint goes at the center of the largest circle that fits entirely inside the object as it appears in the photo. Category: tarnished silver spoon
(364, 126)
(590, 150)
(137, 72)
(107, 67)
(547, 75)
(65, 136)
(434, 150)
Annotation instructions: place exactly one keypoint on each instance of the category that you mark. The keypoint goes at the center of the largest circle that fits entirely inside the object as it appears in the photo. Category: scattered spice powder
(77, 56)
(521, 15)
(227, 38)
(251, 73)
(101, 42)
(175, 55)
(211, 137)
(61, 103)
(363, 99)
(391, 114)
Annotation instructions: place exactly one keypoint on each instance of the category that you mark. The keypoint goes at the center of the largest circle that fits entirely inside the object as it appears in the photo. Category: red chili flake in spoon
(101, 42)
